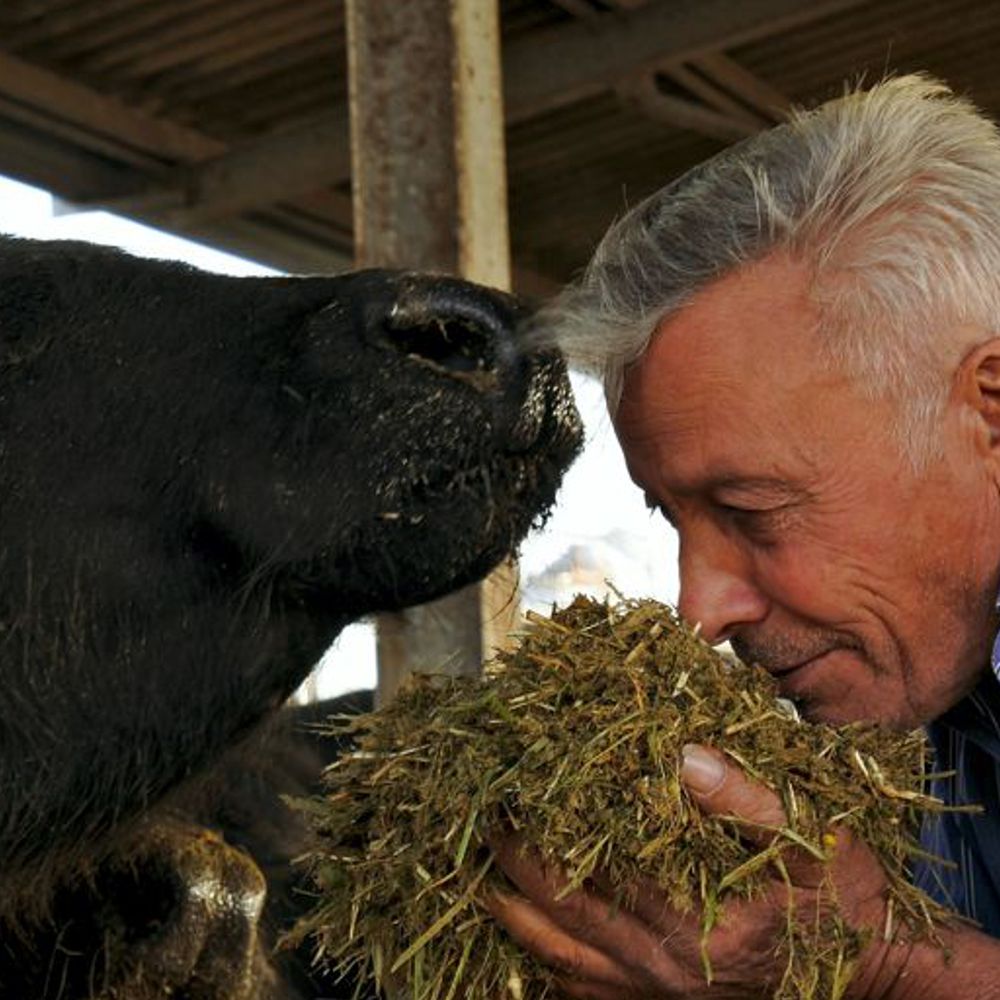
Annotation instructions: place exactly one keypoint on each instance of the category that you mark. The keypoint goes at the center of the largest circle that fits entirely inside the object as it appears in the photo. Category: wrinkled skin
(202, 480)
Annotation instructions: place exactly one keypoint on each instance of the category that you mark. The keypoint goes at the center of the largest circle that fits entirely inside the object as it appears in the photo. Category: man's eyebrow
(759, 484)
(747, 481)
(726, 480)
(770, 485)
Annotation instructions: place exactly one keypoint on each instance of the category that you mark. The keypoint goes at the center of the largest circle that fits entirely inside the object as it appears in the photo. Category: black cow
(202, 480)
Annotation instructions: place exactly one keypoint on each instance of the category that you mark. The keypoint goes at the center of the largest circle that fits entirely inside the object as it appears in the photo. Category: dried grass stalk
(575, 739)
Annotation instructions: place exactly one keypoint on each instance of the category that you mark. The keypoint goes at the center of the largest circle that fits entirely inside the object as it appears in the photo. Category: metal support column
(429, 177)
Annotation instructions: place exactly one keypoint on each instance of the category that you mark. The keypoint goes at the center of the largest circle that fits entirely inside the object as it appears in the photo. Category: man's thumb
(720, 788)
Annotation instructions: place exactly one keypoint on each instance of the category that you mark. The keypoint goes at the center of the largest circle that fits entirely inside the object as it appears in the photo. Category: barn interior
(230, 121)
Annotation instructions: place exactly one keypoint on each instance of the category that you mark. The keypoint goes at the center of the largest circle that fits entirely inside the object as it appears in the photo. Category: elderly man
(800, 341)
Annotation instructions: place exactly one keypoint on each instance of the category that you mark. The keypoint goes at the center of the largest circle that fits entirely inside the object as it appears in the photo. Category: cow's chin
(443, 538)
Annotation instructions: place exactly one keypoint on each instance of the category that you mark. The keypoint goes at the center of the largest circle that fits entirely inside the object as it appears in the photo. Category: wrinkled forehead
(736, 368)
(758, 318)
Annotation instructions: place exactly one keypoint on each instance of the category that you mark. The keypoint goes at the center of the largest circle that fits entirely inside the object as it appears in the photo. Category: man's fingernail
(702, 772)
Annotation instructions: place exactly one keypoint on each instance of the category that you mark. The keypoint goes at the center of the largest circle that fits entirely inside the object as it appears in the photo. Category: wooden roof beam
(68, 104)
(731, 102)
(542, 72)
(555, 67)
(164, 153)
(80, 27)
(86, 146)
(643, 94)
(578, 8)
(251, 174)
(185, 39)
(707, 91)
(713, 111)
(767, 101)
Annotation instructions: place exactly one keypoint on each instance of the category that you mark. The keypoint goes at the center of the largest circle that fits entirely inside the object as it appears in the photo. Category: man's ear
(979, 384)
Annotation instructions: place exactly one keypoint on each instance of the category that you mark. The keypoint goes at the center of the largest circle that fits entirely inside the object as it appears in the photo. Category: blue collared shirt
(967, 740)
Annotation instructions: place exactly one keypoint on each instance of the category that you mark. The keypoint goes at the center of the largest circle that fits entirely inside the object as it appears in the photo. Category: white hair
(891, 197)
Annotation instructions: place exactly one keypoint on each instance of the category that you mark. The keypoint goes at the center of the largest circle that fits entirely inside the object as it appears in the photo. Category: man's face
(805, 537)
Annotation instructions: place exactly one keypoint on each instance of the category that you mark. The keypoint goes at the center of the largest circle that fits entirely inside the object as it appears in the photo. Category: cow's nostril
(458, 326)
(455, 343)
(470, 333)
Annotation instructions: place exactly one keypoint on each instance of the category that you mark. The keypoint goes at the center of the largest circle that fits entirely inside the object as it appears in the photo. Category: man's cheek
(802, 579)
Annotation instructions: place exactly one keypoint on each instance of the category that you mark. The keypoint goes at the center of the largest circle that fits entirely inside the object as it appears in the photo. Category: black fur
(202, 480)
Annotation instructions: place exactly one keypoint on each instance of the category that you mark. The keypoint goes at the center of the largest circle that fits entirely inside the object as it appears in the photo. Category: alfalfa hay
(574, 739)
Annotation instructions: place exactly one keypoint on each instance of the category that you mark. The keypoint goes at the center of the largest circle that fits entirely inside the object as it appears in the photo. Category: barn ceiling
(227, 119)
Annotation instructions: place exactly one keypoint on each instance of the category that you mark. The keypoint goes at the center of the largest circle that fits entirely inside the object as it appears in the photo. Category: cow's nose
(470, 332)
(462, 328)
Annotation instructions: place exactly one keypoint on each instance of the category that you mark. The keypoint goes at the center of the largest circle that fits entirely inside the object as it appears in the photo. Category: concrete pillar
(429, 192)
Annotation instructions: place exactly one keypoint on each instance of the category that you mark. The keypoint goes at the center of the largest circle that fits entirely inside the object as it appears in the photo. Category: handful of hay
(574, 739)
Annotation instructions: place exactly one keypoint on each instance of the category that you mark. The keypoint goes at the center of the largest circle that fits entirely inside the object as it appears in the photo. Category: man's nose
(717, 590)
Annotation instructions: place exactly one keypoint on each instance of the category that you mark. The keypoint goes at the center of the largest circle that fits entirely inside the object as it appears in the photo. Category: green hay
(574, 740)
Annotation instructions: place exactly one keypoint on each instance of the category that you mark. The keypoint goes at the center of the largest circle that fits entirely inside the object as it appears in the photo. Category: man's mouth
(784, 669)
(794, 679)
(800, 665)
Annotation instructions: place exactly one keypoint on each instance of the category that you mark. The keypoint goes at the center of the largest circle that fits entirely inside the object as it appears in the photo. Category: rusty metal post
(429, 189)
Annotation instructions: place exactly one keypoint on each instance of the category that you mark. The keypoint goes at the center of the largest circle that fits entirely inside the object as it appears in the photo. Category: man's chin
(818, 710)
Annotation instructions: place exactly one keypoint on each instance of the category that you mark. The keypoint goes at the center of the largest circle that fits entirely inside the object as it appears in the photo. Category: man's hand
(651, 950)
